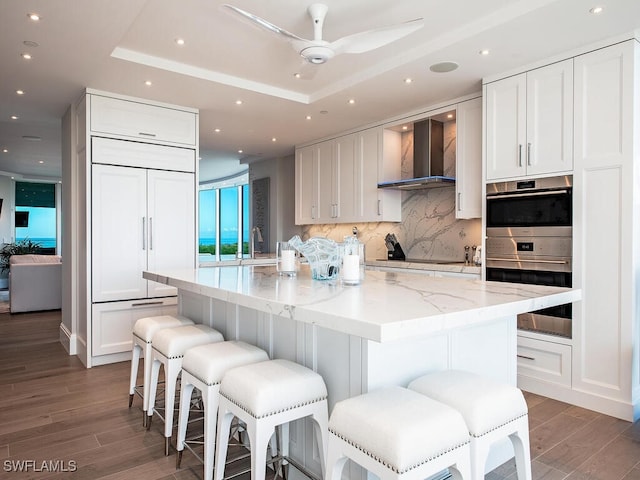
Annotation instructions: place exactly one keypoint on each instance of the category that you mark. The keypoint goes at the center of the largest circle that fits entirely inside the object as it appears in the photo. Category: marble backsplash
(429, 229)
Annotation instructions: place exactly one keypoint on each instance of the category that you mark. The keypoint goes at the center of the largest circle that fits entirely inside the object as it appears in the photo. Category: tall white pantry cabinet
(599, 367)
(133, 176)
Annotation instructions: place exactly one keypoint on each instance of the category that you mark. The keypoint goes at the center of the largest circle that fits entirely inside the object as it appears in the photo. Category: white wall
(8, 194)
(281, 172)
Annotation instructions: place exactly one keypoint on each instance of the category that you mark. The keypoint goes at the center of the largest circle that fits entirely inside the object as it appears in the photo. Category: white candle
(351, 267)
(288, 261)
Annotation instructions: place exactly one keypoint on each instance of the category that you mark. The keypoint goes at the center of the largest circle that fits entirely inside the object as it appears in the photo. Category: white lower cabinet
(543, 360)
(113, 322)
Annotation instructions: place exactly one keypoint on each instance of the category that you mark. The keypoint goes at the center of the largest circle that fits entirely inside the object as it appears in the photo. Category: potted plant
(21, 247)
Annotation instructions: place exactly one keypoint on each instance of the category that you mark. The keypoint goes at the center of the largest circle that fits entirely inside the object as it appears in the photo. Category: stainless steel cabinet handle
(146, 304)
(528, 194)
(144, 234)
(519, 154)
(146, 134)
(524, 260)
(150, 233)
(459, 201)
(525, 357)
(379, 207)
(313, 211)
(529, 154)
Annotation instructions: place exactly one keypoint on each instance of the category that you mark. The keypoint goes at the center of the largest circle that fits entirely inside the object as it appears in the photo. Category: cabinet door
(506, 127)
(142, 121)
(550, 119)
(113, 322)
(469, 159)
(171, 224)
(344, 179)
(323, 157)
(306, 192)
(118, 240)
(605, 227)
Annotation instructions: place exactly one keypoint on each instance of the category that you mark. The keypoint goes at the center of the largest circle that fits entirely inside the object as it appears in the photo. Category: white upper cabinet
(529, 123)
(142, 121)
(306, 186)
(469, 159)
(337, 180)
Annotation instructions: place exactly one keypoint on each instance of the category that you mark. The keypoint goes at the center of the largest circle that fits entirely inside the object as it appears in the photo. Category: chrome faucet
(254, 231)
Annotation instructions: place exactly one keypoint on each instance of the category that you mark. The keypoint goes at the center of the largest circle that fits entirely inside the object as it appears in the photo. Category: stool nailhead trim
(206, 383)
(142, 339)
(168, 358)
(393, 468)
(292, 407)
(497, 427)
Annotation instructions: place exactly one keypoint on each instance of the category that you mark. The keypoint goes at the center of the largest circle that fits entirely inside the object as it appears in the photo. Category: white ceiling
(117, 45)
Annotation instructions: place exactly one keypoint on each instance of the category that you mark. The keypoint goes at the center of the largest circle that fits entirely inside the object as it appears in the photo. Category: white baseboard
(68, 340)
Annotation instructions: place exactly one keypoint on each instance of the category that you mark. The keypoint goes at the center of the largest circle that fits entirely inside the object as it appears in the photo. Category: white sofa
(35, 283)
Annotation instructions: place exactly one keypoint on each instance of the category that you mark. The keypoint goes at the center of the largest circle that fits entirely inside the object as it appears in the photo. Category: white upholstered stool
(203, 367)
(143, 331)
(266, 396)
(491, 410)
(169, 346)
(396, 434)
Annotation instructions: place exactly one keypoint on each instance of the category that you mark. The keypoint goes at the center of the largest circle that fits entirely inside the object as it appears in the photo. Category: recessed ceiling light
(14, 117)
(273, 139)
(217, 130)
(148, 83)
(179, 41)
(443, 67)
(484, 52)
(408, 80)
(404, 127)
(29, 43)
(351, 101)
(20, 92)
(239, 151)
(297, 75)
(40, 161)
(450, 115)
(238, 102)
(596, 10)
(4, 150)
(308, 117)
(33, 16)
(26, 56)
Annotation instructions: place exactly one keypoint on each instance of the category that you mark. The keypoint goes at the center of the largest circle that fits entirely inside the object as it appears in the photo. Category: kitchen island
(388, 330)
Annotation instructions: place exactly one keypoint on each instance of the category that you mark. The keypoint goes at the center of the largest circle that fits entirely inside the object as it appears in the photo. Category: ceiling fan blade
(376, 38)
(254, 20)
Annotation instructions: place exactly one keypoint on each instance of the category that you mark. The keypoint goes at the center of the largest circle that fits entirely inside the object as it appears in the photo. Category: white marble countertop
(384, 307)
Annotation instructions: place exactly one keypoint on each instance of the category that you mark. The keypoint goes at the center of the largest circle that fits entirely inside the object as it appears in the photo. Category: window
(35, 215)
(224, 219)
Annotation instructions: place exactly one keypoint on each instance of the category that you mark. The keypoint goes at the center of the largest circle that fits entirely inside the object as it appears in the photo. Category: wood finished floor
(53, 409)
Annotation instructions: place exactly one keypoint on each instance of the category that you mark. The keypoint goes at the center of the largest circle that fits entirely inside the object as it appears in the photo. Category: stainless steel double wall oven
(529, 240)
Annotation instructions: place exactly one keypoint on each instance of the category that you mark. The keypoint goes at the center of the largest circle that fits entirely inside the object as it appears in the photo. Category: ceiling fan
(318, 51)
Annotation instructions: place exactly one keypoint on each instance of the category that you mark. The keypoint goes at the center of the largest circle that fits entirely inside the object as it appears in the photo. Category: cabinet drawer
(544, 360)
(112, 323)
(141, 121)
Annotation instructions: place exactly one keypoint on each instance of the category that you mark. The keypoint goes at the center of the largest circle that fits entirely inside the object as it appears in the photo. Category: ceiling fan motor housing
(317, 54)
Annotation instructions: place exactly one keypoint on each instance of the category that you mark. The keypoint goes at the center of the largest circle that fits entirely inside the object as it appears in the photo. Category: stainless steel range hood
(428, 159)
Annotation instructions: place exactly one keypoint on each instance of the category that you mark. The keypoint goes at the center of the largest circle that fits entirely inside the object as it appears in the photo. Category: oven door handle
(524, 260)
(525, 194)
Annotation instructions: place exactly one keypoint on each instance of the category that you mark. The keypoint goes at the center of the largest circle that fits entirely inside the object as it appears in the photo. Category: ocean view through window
(223, 221)
(35, 214)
